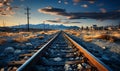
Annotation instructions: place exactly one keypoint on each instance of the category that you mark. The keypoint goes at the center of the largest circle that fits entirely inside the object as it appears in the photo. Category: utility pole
(44, 26)
(3, 23)
(28, 17)
(19, 27)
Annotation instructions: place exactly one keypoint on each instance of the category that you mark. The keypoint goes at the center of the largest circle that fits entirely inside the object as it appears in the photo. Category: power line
(28, 17)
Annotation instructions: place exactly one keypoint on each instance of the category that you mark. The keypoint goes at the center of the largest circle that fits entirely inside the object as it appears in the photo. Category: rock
(67, 66)
(79, 67)
(22, 46)
(77, 58)
(86, 65)
(57, 59)
(17, 52)
(50, 69)
(26, 57)
(25, 35)
(28, 44)
(104, 47)
(10, 40)
(9, 50)
(71, 58)
(41, 37)
(14, 69)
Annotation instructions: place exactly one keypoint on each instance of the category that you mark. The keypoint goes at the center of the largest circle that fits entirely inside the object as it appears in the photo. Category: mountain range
(46, 26)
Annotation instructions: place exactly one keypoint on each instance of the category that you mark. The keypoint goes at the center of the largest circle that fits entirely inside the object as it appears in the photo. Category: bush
(2, 41)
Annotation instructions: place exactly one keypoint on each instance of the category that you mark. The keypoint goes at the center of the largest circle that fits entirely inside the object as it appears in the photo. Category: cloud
(84, 5)
(62, 22)
(6, 8)
(58, 19)
(76, 1)
(91, 2)
(104, 15)
(69, 22)
(59, 1)
(103, 10)
(53, 21)
(1, 4)
(94, 15)
(65, 2)
(101, 4)
(22, 0)
(118, 10)
(75, 22)
(51, 10)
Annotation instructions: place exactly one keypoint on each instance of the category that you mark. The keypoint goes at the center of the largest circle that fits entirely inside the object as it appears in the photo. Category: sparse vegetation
(12, 44)
(20, 39)
(23, 36)
(7, 34)
(101, 36)
(88, 36)
(41, 37)
(2, 41)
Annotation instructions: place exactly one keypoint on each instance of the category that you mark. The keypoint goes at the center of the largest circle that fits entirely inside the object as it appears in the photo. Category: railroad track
(62, 53)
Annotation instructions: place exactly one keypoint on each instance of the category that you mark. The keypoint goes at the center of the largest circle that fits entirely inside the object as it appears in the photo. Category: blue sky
(38, 14)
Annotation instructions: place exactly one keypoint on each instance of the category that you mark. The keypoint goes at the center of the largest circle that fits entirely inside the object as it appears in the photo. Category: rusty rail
(32, 60)
(95, 61)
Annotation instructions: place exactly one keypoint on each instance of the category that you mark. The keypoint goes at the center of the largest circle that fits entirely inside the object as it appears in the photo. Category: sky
(67, 12)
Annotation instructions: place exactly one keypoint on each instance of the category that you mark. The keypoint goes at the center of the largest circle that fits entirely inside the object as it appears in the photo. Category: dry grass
(116, 34)
(107, 37)
(2, 41)
(111, 36)
(52, 32)
(31, 36)
(87, 38)
(100, 36)
(7, 34)
(23, 36)
(20, 39)
(73, 32)
(41, 37)
(47, 32)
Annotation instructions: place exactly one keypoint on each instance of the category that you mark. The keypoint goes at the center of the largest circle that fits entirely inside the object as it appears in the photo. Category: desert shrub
(20, 39)
(2, 41)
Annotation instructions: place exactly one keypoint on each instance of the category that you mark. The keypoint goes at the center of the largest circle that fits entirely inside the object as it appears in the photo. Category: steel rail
(32, 60)
(95, 61)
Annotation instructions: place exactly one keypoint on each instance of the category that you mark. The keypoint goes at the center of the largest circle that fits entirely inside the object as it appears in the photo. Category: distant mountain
(47, 26)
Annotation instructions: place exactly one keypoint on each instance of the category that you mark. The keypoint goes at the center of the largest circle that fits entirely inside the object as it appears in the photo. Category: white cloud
(84, 5)
(6, 8)
(103, 10)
